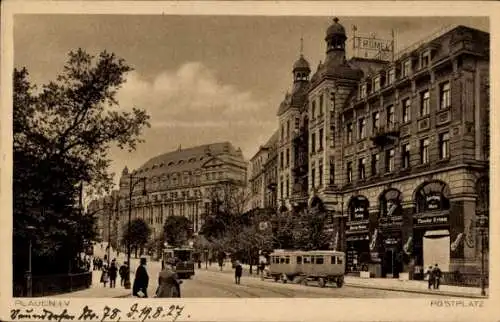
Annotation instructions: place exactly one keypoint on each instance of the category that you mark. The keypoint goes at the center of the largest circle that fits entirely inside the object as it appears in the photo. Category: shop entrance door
(390, 263)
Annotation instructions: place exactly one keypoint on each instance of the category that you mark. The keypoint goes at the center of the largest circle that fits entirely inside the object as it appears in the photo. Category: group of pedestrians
(434, 274)
(168, 281)
(111, 272)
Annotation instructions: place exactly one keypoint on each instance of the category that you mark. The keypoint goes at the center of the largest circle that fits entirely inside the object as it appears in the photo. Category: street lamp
(132, 185)
(29, 280)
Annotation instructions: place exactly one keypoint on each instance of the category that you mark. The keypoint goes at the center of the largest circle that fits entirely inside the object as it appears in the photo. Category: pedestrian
(122, 271)
(437, 276)
(262, 267)
(141, 281)
(238, 270)
(104, 275)
(430, 274)
(199, 263)
(112, 274)
(169, 284)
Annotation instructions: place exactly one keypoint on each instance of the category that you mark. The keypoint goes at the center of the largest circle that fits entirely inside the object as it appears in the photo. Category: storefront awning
(437, 233)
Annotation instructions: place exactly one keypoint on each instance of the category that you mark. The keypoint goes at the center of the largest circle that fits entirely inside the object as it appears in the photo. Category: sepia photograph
(248, 156)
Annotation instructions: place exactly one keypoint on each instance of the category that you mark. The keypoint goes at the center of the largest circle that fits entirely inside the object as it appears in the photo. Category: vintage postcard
(278, 161)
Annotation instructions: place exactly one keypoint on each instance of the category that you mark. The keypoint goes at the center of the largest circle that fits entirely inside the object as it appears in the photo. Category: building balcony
(386, 134)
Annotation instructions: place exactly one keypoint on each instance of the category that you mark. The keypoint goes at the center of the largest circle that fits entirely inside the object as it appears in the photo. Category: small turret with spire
(301, 69)
(335, 43)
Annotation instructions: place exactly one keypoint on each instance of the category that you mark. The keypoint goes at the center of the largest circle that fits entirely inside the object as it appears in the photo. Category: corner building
(396, 151)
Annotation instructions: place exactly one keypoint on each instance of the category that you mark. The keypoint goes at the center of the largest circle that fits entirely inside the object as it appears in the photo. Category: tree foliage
(177, 230)
(62, 133)
(138, 235)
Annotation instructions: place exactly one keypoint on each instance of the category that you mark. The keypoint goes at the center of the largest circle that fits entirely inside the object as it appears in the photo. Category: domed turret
(301, 68)
(335, 42)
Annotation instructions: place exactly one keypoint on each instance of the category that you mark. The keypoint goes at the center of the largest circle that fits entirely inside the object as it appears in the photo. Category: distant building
(396, 151)
(178, 183)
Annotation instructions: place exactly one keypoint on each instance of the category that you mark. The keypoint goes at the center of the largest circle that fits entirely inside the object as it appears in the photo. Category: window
(313, 142)
(299, 259)
(405, 155)
(375, 121)
(332, 131)
(287, 186)
(320, 172)
(444, 95)
(297, 123)
(332, 172)
(390, 115)
(288, 128)
(363, 91)
(307, 260)
(332, 260)
(362, 169)
(374, 165)
(313, 175)
(424, 103)
(339, 260)
(362, 128)
(424, 151)
(282, 132)
(349, 133)
(406, 68)
(313, 109)
(282, 160)
(391, 76)
(349, 172)
(287, 158)
(425, 60)
(389, 160)
(376, 84)
(406, 110)
(321, 105)
(444, 145)
(320, 139)
(319, 260)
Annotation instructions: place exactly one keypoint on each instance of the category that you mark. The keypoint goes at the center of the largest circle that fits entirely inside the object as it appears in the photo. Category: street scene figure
(168, 282)
(123, 271)
(436, 273)
(104, 275)
(112, 273)
(430, 275)
(141, 281)
(238, 271)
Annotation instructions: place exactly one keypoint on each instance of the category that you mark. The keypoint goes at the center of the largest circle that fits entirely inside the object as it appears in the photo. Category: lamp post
(29, 280)
(132, 185)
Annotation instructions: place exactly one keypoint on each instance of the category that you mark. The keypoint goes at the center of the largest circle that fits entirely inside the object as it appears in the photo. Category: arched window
(483, 196)
(390, 203)
(358, 208)
(433, 196)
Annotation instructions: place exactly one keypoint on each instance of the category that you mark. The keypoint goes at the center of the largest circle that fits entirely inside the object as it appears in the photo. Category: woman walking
(104, 275)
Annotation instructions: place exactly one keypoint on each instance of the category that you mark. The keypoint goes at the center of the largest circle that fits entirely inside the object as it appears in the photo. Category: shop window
(433, 196)
(358, 208)
(390, 203)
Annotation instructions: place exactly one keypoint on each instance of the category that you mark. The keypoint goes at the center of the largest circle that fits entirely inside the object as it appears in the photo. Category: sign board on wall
(431, 220)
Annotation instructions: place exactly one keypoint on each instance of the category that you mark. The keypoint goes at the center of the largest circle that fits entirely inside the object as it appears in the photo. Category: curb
(417, 291)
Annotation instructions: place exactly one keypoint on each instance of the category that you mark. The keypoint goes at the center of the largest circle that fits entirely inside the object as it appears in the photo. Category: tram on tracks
(323, 266)
(182, 259)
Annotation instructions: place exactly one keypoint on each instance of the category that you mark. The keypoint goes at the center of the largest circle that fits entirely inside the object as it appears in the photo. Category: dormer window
(391, 76)
(425, 59)
(376, 84)
(406, 68)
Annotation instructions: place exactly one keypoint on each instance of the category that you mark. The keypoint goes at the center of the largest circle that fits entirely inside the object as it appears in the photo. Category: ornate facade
(396, 151)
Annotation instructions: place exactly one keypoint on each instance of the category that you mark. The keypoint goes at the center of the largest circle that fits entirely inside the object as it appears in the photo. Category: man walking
(141, 281)
(123, 273)
(437, 276)
(430, 274)
(112, 274)
(238, 270)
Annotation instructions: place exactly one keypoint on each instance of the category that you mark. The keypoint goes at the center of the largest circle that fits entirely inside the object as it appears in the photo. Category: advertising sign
(431, 221)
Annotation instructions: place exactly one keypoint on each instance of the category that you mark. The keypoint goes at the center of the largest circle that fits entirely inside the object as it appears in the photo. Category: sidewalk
(388, 284)
(97, 290)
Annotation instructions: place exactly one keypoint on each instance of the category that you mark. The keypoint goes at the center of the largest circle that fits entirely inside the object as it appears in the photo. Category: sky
(202, 79)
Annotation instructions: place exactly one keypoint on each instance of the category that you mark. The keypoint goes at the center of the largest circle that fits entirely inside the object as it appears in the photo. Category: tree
(61, 137)
(310, 230)
(177, 230)
(138, 236)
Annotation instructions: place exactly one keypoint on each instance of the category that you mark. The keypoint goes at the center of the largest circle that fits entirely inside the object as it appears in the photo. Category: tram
(323, 266)
(182, 259)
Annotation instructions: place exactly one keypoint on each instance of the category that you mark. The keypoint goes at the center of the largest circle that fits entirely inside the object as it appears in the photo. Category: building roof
(190, 159)
(272, 140)
(335, 29)
(301, 63)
